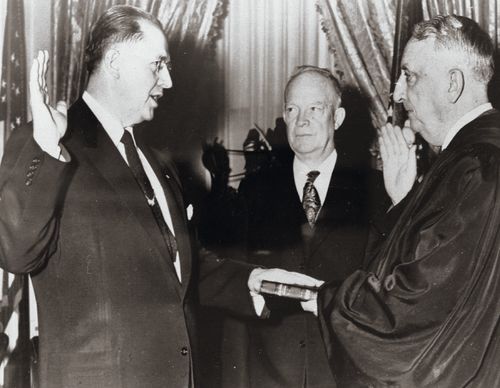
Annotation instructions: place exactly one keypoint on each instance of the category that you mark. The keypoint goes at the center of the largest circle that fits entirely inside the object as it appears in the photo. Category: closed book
(288, 291)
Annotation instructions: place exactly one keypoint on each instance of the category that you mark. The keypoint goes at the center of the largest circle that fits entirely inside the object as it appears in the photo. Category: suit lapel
(172, 189)
(291, 198)
(105, 157)
(333, 211)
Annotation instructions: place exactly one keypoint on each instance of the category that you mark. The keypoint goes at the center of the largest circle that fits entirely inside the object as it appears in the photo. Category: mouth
(156, 97)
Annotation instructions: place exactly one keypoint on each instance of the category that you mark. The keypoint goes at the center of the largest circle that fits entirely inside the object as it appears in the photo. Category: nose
(302, 118)
(399, 94)
(164, 78)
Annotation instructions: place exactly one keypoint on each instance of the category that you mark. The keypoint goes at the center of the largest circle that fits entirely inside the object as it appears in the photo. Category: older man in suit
(99, 223)
(309, 216)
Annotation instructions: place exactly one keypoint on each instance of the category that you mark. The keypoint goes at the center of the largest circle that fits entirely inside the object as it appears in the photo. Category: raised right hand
(399, 161)
(49, 124)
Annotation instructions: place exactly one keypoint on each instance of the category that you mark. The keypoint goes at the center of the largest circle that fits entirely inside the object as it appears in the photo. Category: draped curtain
(485, 12)
(187, 113)
(361, 35)
(196, 21)
(262, 43)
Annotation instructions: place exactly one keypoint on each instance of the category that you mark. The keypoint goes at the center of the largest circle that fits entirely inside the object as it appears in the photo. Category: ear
(111, 63)
(456, 86)
(338, 118)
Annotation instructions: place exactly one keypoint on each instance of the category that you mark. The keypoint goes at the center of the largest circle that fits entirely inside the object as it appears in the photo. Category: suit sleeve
(223, 284)
(439, 265)
(31, 186)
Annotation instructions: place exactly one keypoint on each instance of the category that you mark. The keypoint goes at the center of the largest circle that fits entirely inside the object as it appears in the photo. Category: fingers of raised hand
(400, 141)
(38, 85)
(62, 108)
(43, 74)
(388, 140)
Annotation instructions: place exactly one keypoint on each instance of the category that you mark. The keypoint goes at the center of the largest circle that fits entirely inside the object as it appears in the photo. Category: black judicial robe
(426, 313)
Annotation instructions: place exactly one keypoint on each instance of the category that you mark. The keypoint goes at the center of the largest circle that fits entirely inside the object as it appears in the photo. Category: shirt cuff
(259, 304)
(58, 152)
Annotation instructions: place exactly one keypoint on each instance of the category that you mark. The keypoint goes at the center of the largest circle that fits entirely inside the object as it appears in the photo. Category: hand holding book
(302, 293)
(283, 283)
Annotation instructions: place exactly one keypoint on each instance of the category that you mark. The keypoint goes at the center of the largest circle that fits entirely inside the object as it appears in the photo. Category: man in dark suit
(99, 223)
(310, 216)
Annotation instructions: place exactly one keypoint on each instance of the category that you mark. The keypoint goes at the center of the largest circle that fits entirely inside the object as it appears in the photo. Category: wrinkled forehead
(153, 42)
(311, 88)
(424, 55)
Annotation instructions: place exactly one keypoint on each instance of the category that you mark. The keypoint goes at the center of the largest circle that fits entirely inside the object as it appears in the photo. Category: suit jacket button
(302, 344)
(184, 351)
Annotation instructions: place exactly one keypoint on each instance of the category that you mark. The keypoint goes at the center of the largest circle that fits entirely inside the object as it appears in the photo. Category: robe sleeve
(426, 313)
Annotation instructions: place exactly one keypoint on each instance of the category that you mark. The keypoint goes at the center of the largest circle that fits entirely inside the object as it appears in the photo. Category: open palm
(49, 124)
(399, 162)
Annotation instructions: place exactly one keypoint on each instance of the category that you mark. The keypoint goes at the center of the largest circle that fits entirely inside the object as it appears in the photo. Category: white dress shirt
(115, 130)
(322, 182)
(463, 121)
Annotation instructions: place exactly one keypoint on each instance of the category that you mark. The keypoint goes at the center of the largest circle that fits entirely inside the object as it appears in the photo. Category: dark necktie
(310, 200)
(142, 180)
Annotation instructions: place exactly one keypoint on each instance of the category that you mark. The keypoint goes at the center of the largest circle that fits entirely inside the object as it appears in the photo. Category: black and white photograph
(249, 194)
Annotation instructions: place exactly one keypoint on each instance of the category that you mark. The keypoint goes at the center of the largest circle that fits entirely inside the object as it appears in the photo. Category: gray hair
(460, 34)
(321, 71)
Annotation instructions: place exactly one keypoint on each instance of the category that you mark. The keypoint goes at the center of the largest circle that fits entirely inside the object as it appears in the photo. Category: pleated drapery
(194, 20)
(361, 35)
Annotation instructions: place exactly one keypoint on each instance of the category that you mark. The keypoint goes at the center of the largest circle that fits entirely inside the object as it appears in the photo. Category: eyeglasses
(160, 64)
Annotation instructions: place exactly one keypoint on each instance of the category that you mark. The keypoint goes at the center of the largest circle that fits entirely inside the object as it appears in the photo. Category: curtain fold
(262, 43)
(195, 23)
(485, 12)
(361, 35)
(187, 113)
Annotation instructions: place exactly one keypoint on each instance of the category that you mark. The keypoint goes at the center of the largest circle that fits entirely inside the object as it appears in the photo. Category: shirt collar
(322, 182)
(463, 121)
(110, 123)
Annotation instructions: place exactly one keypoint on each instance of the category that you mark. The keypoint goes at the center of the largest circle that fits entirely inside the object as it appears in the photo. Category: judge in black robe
(426, 312)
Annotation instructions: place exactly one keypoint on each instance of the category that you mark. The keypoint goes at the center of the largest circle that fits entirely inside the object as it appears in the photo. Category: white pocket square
(189, 212)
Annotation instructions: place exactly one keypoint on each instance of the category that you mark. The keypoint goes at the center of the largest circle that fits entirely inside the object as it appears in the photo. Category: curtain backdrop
(361, 35)
(187, 112)
(195, 22)
(262, 43)
(485, 12)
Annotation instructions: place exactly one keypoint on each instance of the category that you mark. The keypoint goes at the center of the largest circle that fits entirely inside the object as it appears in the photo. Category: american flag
(14, 308)
(13, 102)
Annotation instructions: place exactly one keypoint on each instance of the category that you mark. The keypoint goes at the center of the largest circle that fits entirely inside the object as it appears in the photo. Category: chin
(148, 117)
